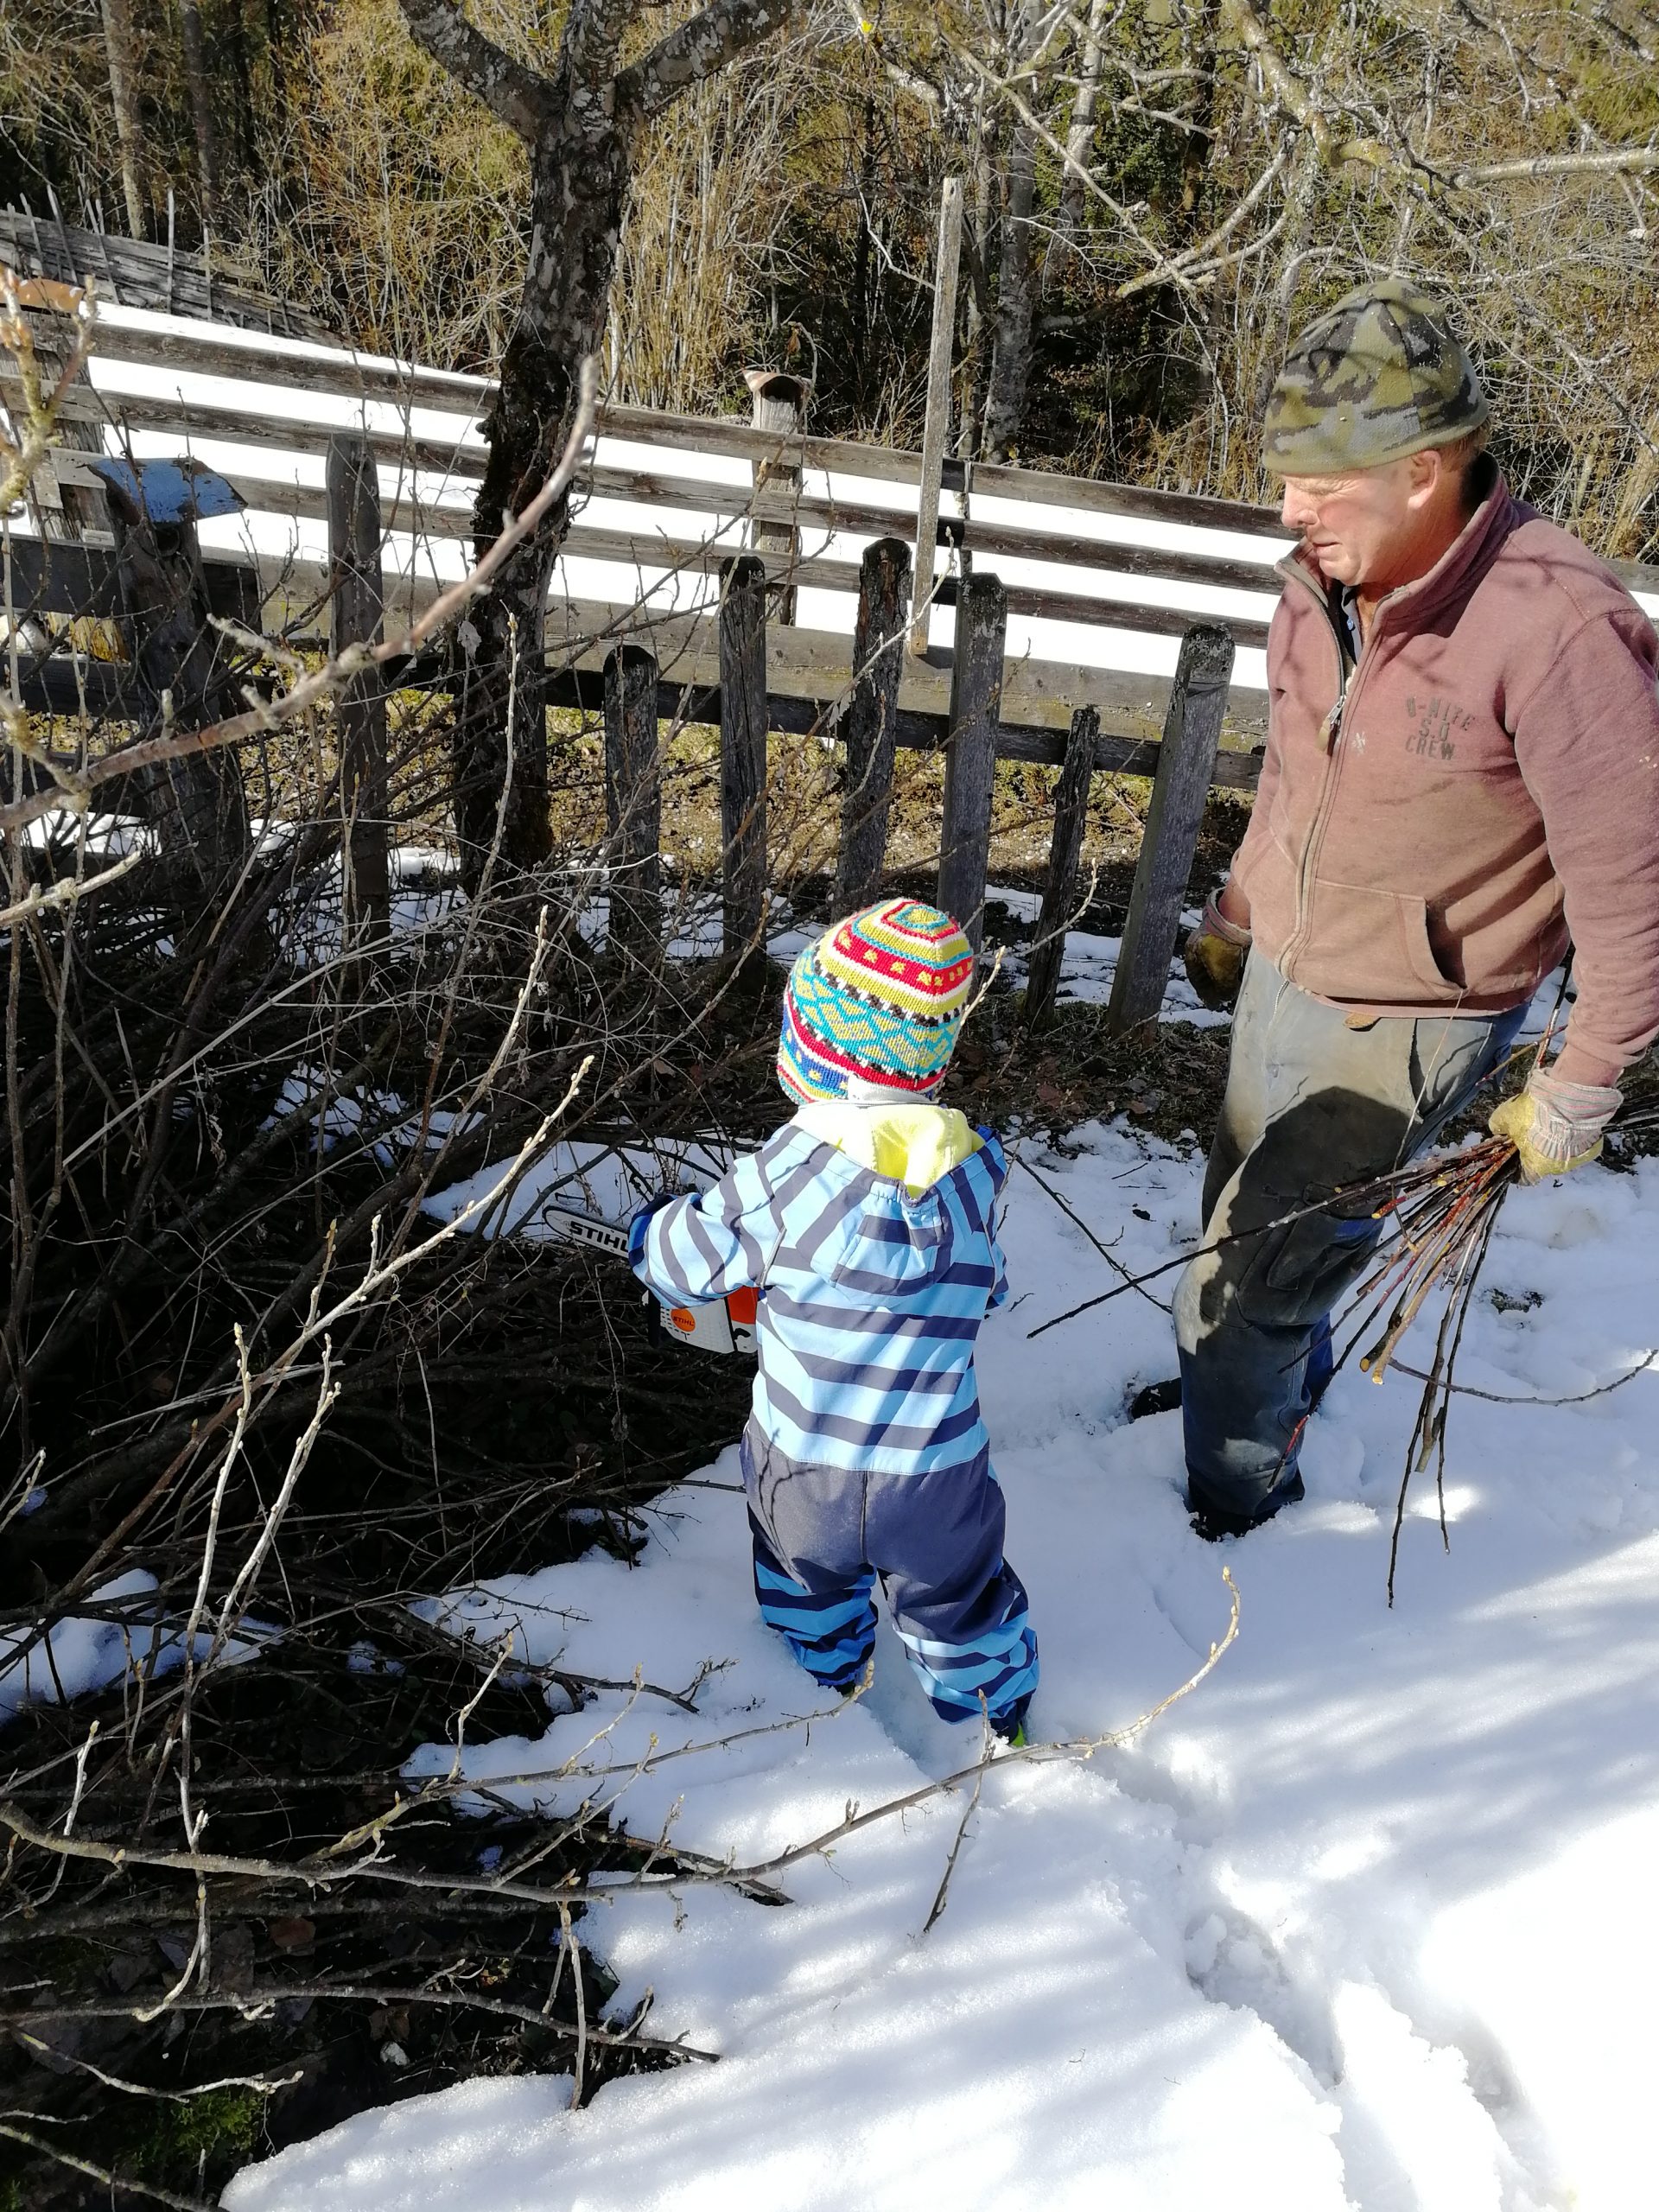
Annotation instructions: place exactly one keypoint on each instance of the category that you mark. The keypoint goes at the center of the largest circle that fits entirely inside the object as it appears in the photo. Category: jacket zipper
(1347, 680)
(1340, 713)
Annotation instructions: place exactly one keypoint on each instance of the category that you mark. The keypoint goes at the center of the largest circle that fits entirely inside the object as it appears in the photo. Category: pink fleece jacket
(1488, 787)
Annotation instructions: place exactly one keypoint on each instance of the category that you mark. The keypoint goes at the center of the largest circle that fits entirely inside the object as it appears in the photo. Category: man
(1462, 772)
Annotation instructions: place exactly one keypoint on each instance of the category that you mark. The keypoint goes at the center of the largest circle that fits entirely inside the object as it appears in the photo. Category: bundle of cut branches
(1443, 1211)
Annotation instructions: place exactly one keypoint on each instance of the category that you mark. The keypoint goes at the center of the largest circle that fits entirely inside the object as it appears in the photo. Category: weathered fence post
(357, 609)
(1186, 763)
(184, 672)
(872, 719)
(633, 800)
(743, 750)
(970, 750)
(66, 511)
(936, 426)
(779, 406)
(1071, 815)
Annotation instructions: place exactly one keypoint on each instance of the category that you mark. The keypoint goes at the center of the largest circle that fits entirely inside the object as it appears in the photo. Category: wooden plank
(936, 428)
(1071, 817)
(342, 373)
(633, 802)
(656, 488)
(743, 752)
(251, 424)
(356, 612)
(354, 379)
(1186, 764)
(871, 721)
(779, 403)
(971, 752)
(1096, 496)
(581, 689)
(65, 682)
(653, 488)
(595, 541)
(462, 468)
(812, 665)
(808, 664)
(807, 669)
(1093, 613)
(135, 272)
(637, 550)
(61, 576)
(822, 573)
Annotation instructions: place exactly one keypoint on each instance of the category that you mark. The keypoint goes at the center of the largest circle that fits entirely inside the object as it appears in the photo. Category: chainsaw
(725, 1324)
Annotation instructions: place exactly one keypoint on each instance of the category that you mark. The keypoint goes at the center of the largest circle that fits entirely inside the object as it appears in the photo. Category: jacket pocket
(1373, 946)
(1420, 950)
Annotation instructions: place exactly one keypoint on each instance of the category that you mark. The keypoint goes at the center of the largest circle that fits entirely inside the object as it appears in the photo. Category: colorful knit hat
(873, 1010)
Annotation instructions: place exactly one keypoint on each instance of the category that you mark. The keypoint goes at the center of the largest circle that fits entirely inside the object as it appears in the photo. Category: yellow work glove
(1214, 958)
(1554, 1125)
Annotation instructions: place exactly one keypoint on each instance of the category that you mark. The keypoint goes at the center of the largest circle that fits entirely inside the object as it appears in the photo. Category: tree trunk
(124, 93)
(1005, 408)
(1080, 138)
(1200, 47)
(977, 247)
(582, 125)
(1277, 318)
(579, 189)
(201, 109)
(197, 805)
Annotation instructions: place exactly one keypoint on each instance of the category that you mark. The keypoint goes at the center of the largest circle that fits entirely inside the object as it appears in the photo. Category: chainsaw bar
(725, 1324)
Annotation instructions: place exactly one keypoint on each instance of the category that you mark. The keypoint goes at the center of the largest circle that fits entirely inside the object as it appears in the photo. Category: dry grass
(689, 308)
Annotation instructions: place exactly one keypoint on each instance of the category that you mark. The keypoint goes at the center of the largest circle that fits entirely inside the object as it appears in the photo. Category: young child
(865, 1223)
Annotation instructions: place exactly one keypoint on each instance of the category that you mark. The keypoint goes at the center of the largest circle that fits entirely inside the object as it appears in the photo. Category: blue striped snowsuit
(865, 1453)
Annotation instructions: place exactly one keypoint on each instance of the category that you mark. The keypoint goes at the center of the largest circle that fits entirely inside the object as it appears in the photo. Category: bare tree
(1005, 404)
(122, 56)
(1080, 138)
(1258, 164)
(582, 124)
(201, 105)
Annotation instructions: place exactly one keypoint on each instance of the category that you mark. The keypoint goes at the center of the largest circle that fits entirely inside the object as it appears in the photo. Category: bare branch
(19, 459)
(1077, 1748)
(101, 2174)
(1196, 256)
(1616, 161)
(988, 78)
(247, 2001)
(514, 94)
(714, 37)
(336, 672)
(908, 79)
(68, 891)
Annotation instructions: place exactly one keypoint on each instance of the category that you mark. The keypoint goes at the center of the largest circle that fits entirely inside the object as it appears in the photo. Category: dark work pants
(1312, 1104)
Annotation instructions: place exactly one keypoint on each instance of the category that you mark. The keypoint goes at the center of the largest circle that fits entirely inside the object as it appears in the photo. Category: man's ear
(1426, 473)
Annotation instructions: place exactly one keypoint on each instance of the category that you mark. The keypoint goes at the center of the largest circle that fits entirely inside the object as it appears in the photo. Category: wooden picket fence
(749, 665)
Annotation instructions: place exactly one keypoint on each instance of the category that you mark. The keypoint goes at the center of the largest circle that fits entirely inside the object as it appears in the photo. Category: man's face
(1363, 528)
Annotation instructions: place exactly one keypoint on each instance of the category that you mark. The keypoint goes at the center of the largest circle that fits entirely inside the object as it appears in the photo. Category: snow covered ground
(128, 1635)
(1364, 1922)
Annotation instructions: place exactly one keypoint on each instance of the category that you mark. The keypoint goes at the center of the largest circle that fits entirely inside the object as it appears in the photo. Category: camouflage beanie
(1378, 376)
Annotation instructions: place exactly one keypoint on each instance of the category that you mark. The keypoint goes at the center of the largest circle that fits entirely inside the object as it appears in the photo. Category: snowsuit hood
(915, 1145)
